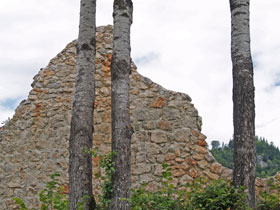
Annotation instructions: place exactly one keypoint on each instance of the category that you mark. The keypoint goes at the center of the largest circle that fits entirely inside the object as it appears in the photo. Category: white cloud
(5, 114)
(188, 44)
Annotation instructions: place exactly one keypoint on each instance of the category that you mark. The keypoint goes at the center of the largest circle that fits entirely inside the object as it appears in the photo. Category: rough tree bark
(80, 161)
(121, 127)
(244, 167)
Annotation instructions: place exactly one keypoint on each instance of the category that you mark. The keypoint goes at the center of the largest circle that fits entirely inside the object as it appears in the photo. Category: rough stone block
(216, 168)
(158, 137)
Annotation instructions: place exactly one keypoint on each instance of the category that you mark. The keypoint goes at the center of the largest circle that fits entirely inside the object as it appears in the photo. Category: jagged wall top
(35, 142)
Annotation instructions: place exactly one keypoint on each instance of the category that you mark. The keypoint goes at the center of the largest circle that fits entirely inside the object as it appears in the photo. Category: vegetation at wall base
(270, 199)
(107, 165)
(166, 197)
(200, 194)
(268, 156)
(51, 197)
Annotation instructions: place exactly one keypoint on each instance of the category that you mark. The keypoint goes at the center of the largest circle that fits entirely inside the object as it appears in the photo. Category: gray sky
(183, 45)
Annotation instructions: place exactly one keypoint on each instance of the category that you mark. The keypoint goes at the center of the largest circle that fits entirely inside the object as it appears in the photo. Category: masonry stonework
(34, 143)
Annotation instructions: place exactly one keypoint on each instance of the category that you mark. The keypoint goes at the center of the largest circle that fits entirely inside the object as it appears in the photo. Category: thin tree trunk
(244, 167)
(80, 161)
(121, 127)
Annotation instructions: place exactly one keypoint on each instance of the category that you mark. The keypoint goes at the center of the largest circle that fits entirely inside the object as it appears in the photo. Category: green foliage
(142, 199)
(51, 197)
(215, 195)
(202, 194)
(215, 144)
(268, 156)
(270, 198)
(81, 204)
(167, 197)
(224, 156)
(107, 165)
(269, 201)
(20, 203)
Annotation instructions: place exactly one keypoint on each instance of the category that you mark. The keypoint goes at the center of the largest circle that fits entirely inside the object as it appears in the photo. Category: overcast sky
(182, 45)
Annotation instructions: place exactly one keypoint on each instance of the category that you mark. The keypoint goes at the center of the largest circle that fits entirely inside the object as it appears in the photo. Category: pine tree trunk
(244, 167)
(80, 161)
(121, 126)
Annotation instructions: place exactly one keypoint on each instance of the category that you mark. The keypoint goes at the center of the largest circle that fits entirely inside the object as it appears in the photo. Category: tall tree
(121, 126)
(215, 144)
(80, 161)
(244, 167)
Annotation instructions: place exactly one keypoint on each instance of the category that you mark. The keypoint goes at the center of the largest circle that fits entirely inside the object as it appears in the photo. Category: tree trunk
(80, 161)
(121, 126)
(244, 167)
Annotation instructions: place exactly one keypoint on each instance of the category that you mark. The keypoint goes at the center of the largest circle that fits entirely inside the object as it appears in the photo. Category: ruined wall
(34, 144)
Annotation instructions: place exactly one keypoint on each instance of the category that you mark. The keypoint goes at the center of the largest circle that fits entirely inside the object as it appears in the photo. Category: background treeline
(268, 156)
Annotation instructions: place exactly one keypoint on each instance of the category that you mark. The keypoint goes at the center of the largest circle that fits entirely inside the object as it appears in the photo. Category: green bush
(270, 198)
(215, 195)
(165, 198)
(269, 201)
(107, 165)
(51, 197)
(200, 194)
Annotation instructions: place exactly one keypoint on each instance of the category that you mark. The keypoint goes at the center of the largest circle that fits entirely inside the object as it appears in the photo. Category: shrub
(269, 199)
(107, 165)
(200, 194)
(167, 197)
(215, 195)
(51, 197)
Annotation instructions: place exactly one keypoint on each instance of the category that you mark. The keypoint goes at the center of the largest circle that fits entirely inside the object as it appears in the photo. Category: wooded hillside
(268, 156)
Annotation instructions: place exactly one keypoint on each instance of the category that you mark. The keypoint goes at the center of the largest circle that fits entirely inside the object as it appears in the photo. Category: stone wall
(34, 144)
